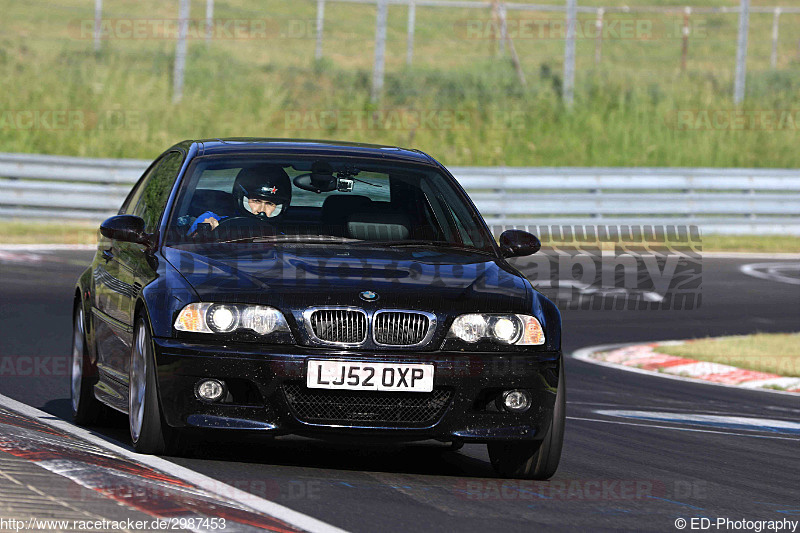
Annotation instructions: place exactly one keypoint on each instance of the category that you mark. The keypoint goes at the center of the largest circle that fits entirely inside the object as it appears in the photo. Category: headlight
(226, 318)
(519, 330)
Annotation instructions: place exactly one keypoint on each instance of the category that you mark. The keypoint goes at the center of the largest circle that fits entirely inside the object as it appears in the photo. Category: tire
(534, 461)
(86, 409)
(149, 433)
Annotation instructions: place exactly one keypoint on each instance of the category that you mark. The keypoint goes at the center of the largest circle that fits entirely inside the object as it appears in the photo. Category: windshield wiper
(428, 244)
(309, 239)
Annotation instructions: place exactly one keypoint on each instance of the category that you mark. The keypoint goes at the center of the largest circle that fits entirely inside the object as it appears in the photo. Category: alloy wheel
(138, 383)
(78, 349)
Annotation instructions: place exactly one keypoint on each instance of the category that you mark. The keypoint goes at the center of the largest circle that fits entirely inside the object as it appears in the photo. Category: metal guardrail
(718, 200)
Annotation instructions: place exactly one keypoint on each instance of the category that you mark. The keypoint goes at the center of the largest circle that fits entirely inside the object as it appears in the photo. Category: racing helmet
(264, 182)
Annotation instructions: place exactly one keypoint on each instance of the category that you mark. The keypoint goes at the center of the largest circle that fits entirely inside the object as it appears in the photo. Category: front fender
(164, 297)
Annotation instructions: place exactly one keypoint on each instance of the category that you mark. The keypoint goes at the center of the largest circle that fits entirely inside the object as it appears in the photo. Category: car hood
(294, 276)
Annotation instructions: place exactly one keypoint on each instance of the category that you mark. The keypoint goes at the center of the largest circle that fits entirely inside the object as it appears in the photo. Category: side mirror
(126, 228)
(517, 243)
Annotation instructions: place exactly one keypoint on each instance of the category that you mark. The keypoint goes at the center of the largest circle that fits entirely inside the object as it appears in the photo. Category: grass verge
(19, 232)
(33, 233)
(777, 353)
(460, 100)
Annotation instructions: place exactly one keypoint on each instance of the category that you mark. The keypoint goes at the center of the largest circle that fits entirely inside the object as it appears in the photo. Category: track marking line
(44, 247)
(743, 423)
(692, 430)
(209, 484)
(677, 503)
(773, 271)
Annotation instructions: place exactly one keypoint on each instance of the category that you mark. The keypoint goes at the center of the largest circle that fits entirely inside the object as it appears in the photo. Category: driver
(263, 192)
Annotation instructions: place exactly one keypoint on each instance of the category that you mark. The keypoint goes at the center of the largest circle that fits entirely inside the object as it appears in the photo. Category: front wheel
(534, 461)
(86, 409)
(149, 434)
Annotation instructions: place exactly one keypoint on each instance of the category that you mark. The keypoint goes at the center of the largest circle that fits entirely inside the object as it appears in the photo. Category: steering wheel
(235, 222)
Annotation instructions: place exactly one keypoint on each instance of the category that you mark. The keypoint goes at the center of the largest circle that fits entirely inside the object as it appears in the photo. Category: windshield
(323, 200)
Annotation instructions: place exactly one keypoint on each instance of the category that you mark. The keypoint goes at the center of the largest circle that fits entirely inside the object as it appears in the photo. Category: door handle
(108, 255)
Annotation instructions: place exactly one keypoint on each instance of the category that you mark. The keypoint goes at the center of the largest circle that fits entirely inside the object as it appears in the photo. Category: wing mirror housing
(126, 228)
(518, 243)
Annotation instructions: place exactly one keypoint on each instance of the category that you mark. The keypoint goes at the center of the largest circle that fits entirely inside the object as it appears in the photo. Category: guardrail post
(741, 53)
(412, 15)
(569, 53)
(180, 51)
(209, 19)
(98, 20)
(380, 50)
(773, 58)
(320, 25)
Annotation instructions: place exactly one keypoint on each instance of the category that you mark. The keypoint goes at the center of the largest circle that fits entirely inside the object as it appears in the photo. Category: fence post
(513, 51)
(98, 20)
(741, 53)
(180, 51)
(380, 50)
(569, 53)
(501, 11)
(685, 47)
(412, 15)
(209, 19)
(773, 60)
(320, 25)
(598, 43)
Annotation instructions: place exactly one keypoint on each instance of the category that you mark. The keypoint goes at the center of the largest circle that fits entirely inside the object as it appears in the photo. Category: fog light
(210, 390)
(516, 401)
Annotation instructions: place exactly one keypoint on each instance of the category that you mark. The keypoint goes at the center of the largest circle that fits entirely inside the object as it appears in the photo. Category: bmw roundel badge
(369, 296)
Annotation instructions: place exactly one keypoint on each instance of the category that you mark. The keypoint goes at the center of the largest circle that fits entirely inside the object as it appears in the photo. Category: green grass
(15, 232)
(625, 110)
(751, 243)
(777, 353)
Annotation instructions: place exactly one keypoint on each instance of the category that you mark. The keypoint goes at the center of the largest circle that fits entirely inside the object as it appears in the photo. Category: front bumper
(473, 378)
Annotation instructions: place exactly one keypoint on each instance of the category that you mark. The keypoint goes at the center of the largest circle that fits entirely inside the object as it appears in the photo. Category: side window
(156, 189)
(133, 197)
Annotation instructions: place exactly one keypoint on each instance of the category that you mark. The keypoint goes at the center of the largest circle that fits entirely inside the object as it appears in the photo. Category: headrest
(378, 226)
(344, 204)
(219, 202)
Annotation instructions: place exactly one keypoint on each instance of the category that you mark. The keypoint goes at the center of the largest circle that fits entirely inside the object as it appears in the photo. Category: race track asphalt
(618, 470)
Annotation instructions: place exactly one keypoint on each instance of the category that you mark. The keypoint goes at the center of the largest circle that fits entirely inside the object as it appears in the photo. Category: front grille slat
(400, 328)
(346, 326)
(366, 407)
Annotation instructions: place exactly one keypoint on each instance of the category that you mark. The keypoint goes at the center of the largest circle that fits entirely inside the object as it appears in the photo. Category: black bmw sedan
(321, 289)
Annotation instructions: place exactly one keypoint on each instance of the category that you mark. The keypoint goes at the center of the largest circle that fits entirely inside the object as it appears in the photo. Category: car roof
(255, 146)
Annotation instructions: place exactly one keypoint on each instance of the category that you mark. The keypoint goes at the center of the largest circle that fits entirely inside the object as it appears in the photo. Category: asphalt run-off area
(640, 452)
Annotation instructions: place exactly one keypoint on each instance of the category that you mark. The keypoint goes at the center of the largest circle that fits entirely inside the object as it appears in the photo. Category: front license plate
(360, 375)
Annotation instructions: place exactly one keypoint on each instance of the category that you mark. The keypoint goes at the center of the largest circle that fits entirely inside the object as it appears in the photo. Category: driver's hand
(212, 221)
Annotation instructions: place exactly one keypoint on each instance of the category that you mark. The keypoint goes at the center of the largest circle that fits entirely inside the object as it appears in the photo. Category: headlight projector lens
(504, 330)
